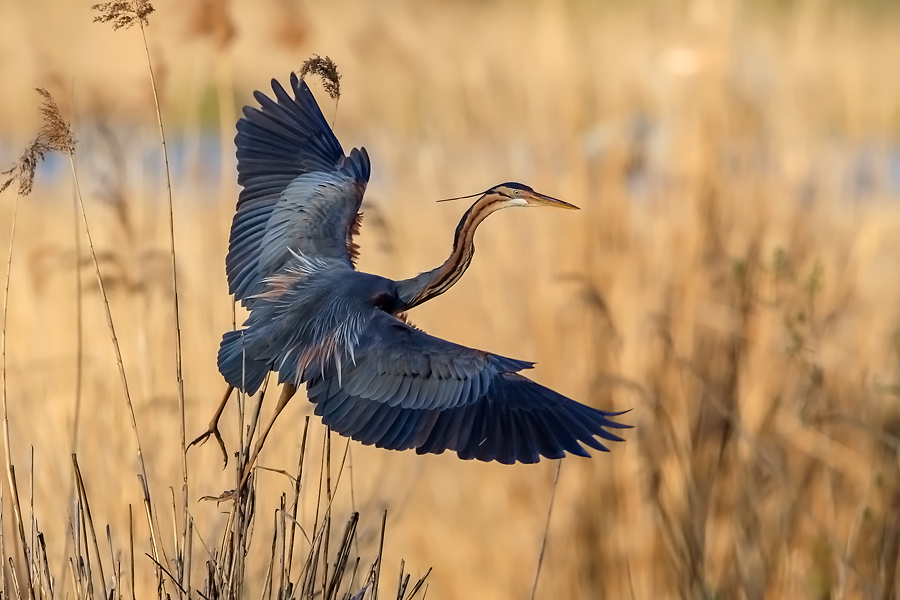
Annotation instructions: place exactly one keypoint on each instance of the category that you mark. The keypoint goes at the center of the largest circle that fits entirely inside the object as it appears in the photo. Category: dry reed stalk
(252, 430)
(280, 584)
(79, 324)
(32, 561)
(88, 523)
(131, 549)
(401, 585)
(230, 547)
(268, 586)
(280, 531)
(56, 135)
(380, 559)
(186, 583)
(118, 352)
(327, 517)
(117, 572)
(540, 562)
(75, 561)
(87, 572)
(15, 580)
(168, 574)
(418, 586)
(24, 171)
(159, 554)
(317, 538)
(46, 566)
(178, 351)
(79, 355)
(17, 511)
(138, 11)
(3, 582)
(177, 547)
(74, 577)
(310, 569)
(352, 491)
(296, 501)
(340, 563)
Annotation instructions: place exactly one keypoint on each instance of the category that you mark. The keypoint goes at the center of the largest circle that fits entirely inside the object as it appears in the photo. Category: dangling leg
(287, 392)
(214, 423)
(213, 429)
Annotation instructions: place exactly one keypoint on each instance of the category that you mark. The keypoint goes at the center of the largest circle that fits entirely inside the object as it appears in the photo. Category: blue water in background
(137, 156)
(863, 172)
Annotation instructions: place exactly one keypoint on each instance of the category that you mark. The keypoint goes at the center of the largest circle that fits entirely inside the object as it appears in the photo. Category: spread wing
(406, 389)
(299, 191)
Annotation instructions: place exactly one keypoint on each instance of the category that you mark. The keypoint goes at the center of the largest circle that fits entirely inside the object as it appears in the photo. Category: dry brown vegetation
(732, 278)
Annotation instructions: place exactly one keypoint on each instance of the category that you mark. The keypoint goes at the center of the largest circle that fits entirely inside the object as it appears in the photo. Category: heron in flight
(318, 322)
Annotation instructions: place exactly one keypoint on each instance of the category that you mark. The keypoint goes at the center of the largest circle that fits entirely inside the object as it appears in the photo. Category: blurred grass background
(732, 276)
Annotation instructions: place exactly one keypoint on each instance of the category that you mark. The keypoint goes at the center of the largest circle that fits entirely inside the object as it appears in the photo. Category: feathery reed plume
(327, 70)
(11, 175)
(55, 135)
(23, 169)
(123, 13)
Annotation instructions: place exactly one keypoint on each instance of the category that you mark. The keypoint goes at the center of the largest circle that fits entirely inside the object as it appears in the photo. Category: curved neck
(427, 285)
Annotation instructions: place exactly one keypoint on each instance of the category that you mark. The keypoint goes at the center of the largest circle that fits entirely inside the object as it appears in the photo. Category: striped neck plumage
(433, 283)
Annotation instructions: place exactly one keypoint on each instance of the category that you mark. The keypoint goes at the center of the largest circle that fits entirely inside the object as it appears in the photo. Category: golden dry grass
(744, 302)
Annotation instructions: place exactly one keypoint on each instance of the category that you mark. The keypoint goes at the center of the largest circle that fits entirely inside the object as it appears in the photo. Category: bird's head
(518, 194)
(514, 194)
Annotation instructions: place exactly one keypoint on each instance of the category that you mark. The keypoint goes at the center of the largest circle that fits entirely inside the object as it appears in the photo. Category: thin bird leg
(213, 429)
(286, 394)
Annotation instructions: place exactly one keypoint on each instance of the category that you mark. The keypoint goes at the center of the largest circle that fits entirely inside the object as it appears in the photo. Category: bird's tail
(238, 369)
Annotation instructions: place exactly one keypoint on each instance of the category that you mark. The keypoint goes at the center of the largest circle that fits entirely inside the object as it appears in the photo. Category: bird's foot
(212, 431)
(234, 494)
(213, 428)
(223, 497)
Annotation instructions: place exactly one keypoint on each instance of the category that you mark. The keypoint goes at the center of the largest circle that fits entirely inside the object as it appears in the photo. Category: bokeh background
(732, 277)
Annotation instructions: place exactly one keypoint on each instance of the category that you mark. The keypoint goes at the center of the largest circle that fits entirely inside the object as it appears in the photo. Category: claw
(223, 497)
(214, 428)
(212, 431)
(229, 495)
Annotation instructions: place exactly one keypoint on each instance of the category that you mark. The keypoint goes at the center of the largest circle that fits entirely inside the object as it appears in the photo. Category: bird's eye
(516, 192)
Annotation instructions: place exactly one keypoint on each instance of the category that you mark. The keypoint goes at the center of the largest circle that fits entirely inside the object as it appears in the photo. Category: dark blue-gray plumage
(317, 321)
(299, 192)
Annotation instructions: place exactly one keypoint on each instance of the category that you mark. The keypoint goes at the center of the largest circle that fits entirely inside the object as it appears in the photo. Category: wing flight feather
(300, 192)
(408, 389)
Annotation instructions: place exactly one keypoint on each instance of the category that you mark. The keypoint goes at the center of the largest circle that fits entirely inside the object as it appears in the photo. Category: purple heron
(316, 321)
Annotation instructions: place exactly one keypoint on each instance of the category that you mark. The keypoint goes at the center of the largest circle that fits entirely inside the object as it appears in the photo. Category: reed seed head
(55, 135)
(123, 13)
(327, 70)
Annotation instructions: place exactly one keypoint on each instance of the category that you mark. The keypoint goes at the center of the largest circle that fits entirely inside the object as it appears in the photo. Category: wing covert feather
(408, 389)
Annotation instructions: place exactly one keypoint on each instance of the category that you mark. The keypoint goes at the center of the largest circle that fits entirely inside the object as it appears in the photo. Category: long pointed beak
(538, 199)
